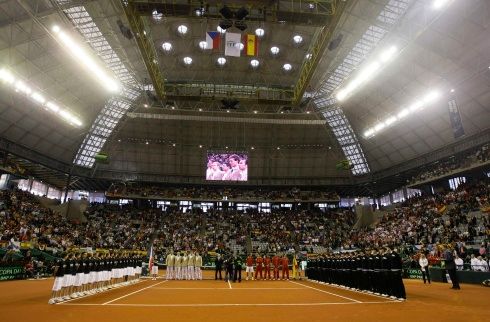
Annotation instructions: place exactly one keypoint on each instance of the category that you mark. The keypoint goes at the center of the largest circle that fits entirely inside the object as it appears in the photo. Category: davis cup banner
(11, 273)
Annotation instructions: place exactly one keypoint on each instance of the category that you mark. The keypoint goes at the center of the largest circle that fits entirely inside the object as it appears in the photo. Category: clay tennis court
(210, 300)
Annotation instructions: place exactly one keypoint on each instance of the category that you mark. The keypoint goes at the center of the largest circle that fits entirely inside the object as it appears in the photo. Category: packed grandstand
(36, 235)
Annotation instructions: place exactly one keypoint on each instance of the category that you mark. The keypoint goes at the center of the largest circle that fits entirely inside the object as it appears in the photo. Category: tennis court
(210, 300)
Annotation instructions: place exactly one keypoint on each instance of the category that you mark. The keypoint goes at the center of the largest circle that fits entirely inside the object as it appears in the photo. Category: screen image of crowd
(36, 237)
(227, 166)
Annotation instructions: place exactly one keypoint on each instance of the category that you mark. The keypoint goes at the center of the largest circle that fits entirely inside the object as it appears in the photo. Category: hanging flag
(251, 42)
(212, 39)
(455, 118)
(232, 44)
(150, 262)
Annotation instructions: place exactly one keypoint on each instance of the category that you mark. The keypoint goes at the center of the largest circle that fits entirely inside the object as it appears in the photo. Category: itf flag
(251, 42)
(232, 46)
(212, 39)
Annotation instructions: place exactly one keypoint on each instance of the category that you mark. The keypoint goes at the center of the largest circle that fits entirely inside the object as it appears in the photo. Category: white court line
(121, 297)
(229, 284)
(359, 292)
(222, 288)
(232, 304)
(323, 291)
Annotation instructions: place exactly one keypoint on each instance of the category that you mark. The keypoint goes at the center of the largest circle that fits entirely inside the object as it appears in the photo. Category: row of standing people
(374, 272)
(81, 274)
(184, 266)
(256, 267)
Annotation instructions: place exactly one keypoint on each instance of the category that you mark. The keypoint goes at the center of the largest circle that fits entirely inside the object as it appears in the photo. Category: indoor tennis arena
(262, 160)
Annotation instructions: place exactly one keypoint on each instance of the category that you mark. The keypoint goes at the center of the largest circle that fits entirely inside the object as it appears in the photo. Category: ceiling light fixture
(287, 67)
(254, 63)
(182, 29)
(259, 32)
(274, 50)
(166, 46)
(203, 45)
(298, 39)
(19, 86)
(84, 58)
(157, 16)
(367, 73)
(221, 61)
(221, 30)
(416, 106)
(187, 60)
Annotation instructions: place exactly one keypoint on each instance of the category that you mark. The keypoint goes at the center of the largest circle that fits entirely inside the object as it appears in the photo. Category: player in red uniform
(249, 267)
(267, 267)
(259, 262)
(285, 267)
(276, 261)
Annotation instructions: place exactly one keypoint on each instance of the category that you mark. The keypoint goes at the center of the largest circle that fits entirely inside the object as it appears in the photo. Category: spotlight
(226, 12)
(225, 24)
(241, 13)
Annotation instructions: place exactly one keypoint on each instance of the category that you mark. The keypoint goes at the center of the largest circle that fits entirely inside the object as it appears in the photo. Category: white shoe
(51, 301)
(66, 298)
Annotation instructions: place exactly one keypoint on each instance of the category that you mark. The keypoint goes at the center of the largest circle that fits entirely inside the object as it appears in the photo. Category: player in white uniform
(178, 267)
(197, 266)
(170, 266)
(185, 262)
(190, 266)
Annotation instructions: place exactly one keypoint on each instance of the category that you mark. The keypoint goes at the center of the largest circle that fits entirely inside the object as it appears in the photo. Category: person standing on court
(285, 267)
(259, 261)
(170, 260)
(229, 268)
(249, 267)
(178, 267)
(276, 261)
(267, 267)
(450, 266)
(218, 263)
(197, 266)
(237, 263)
(424, 267)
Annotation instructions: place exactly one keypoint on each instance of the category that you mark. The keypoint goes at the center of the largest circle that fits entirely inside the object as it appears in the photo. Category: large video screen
(227, 166)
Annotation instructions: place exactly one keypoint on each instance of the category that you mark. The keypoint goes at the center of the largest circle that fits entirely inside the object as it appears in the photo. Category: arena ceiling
(441, 49)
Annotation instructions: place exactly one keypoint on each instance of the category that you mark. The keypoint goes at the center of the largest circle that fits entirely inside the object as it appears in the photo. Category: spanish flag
(252, 42)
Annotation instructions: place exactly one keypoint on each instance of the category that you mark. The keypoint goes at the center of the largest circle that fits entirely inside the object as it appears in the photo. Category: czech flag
(252, 43)
(212, 39)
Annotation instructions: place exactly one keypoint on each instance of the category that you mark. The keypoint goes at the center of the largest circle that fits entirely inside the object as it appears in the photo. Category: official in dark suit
(218, 262)
(450, 266)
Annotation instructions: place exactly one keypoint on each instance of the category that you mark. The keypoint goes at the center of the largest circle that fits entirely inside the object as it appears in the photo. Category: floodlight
(85, 59)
